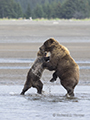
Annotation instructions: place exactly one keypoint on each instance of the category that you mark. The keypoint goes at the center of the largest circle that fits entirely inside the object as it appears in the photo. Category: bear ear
(51, 40)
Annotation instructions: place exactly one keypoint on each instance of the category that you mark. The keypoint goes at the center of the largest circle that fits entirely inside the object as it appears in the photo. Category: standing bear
(35, 73)
(62, 63)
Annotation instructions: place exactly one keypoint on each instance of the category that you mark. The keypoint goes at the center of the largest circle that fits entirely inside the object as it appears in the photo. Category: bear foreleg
(54, 77)
(49, 66)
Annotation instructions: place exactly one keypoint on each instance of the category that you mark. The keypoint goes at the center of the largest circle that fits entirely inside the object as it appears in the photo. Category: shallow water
(84, 64)
(15, 63)
(52, 104)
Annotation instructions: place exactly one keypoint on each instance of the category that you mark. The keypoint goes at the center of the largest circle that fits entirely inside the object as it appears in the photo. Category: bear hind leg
(26, 87)
(39, 87)
(69, 85)
(70, 92)
(70, 89)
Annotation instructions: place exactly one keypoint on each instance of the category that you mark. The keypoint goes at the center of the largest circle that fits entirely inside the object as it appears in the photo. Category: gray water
(52, 104)
(83, 63)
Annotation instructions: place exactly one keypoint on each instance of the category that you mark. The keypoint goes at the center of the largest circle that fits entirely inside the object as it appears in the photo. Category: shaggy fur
(35, 73)
(62, 63)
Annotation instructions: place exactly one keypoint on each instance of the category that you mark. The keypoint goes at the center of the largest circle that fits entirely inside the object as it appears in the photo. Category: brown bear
(35, 73)
(62, 63)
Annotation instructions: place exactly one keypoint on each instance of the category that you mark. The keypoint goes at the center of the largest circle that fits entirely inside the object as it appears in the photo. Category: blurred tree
(10, 9)
(82, 9)
(58, 9)
(75, 9)
(48, 9)
(33, 3)
(68, 9)
(18, 10)
(28, 13)
(38, 12)
(88, 4)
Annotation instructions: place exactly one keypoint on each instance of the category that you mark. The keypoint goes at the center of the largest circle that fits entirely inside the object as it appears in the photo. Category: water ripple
(16, 60)
(82, 64)
(27, 60)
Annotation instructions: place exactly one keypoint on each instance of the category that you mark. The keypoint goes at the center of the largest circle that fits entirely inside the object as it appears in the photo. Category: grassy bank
(44, 19)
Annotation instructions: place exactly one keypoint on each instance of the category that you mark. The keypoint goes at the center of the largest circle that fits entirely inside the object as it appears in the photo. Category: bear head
(42, 54)
(48, 45)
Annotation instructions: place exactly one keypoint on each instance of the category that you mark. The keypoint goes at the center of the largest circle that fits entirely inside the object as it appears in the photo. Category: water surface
(52, 104)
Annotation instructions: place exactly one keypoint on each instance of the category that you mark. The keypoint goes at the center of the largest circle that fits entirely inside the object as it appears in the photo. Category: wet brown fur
(35, 73)
(64, 65)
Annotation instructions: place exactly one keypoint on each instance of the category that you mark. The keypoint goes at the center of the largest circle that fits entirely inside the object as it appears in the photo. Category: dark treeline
(66, 9)
(10, 9)
(33, 3)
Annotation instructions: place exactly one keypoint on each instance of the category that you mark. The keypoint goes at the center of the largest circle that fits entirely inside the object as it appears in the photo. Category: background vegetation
(66, 9)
